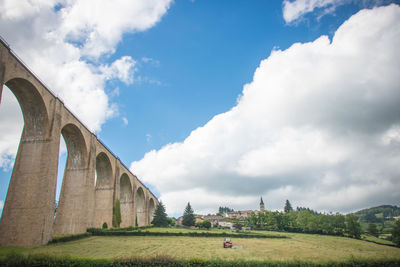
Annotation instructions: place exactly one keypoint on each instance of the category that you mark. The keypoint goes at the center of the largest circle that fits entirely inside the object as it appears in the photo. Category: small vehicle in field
(227, 243)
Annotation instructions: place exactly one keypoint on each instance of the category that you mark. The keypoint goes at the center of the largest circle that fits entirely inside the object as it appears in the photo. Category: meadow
(297, 247)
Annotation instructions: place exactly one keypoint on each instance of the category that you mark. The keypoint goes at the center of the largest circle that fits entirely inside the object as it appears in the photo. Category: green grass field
(306, 247)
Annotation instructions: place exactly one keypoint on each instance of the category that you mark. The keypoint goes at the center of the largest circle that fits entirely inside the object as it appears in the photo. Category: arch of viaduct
(94, 178)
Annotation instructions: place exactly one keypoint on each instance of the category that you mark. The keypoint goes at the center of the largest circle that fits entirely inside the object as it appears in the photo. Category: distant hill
(378, 214)
(383, 216)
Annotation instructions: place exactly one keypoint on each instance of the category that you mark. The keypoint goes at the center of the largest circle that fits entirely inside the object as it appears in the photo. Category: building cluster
(224, 220)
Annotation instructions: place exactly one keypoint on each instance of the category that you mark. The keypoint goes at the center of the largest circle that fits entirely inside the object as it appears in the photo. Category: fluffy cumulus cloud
(292, 10)
(295, 10)
(10, 129)
(66, 43)
(319, 124)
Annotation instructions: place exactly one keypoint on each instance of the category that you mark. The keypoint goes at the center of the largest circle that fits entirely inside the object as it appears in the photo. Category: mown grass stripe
(100, 232)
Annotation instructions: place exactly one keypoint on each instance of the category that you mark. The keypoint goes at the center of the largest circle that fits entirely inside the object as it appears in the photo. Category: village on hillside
(227, 219)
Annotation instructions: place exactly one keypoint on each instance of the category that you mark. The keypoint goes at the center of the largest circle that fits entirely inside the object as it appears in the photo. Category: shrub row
(66, 238)
(50, 261)
(101, 232)
(129, 228)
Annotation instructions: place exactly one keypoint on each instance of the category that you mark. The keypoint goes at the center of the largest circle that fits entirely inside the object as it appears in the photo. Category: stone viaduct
(94, 177)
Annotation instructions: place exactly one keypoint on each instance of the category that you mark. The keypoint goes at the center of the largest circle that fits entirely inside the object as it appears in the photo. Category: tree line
(223, 210)
(305, 221)
(301, 220)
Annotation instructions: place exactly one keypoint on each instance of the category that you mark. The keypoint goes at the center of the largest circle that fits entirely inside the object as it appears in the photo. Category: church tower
(262, 205)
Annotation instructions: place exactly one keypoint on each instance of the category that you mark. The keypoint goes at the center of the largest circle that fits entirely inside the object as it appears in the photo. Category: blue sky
(202, 53)
(186, 66)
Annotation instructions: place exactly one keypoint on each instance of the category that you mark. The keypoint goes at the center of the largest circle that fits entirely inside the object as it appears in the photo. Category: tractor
(227, 243)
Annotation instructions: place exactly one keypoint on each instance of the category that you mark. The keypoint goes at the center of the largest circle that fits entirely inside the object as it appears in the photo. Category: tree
(206, 224)
(188, 216)
(372, 229)
(238, 226)
(271, 222)
(339, 224)
(370, 217)
(222, 210)
(160, 217)
(116, 219)
(171, 221)
(288, 207)
(396, 233)
(353, 226)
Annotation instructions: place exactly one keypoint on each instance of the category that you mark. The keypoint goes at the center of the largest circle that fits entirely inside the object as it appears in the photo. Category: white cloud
(292, 10)
(55, 43)
(295, 10)
(1, 205)
(14, 10)
(66, 42)
(317, 125)
(125, 121)
(148, 138)
(99, 24)
(11, 127)
(123, 69)
(152, 61)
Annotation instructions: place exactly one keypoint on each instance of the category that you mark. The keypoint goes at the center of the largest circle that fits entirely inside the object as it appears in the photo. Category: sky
(219, 103)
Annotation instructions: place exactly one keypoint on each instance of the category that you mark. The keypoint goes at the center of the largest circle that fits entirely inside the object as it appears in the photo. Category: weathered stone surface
(28, 213)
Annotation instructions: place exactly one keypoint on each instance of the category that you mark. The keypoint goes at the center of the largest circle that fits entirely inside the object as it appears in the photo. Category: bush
(206, 224)
(49, 261)
(373, 230)
(139, 232)
(66, 238)
(105, 226)
(396, 233)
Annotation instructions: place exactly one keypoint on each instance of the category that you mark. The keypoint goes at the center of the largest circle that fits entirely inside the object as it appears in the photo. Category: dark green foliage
(116, 220)
(160, 217)
(188, 216)
(171, 221)
(370, 217)
(339, 224)
(237, 226)
(139, 232)
(396, 233)
(288, 207)
(105, 226)
(378, 214)
(372, 229)
(303, 220)
(206, 224)
(308, 209)
(66, 238)
(17, 260)
(353, 226)
(126, 229)
(222, 210)
(50, 261)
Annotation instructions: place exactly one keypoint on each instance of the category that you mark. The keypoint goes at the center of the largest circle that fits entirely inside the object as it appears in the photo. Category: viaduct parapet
(94, 177)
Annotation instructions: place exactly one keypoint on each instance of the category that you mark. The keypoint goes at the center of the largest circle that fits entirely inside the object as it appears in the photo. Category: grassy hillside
(376, 214)
(383, 216)
(315, 248)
